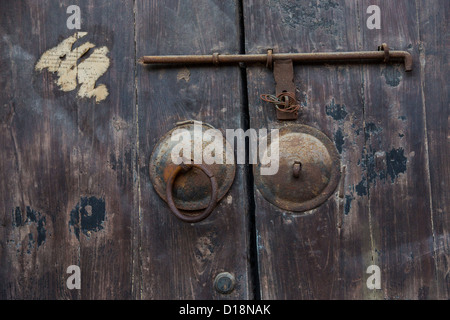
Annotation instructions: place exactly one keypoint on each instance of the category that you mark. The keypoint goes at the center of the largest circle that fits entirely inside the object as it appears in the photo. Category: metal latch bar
(382, 55)
(283, 69)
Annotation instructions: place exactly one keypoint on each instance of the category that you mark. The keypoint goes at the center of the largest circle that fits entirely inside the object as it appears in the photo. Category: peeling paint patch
(89, 71)
(205, 247)
(62, 60)
(184, 74)
(17, 221)
(88, 216)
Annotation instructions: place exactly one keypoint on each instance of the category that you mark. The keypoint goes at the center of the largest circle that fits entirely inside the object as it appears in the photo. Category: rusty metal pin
(297, 167)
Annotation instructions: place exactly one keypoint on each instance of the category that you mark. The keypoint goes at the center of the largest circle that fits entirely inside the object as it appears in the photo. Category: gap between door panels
(253, 249)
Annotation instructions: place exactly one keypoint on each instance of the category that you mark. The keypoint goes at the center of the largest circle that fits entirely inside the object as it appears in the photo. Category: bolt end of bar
(408, 62)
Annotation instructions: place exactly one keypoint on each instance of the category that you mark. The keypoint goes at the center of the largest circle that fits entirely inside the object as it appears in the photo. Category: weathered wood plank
(179, 260)
(396, 156)
(67, 170)
(322, 253)
(434, 48)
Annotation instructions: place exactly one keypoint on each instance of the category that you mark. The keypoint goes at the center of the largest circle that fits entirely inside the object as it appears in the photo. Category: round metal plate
(316, 180)
(192, 189)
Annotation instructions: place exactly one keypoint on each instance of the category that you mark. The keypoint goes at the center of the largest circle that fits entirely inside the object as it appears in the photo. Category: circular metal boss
(191, 189)
(224, 283)
(308, 172)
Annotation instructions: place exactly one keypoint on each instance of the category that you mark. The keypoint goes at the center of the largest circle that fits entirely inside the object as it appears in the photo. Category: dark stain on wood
(336, 111)
(88, 216)
(393, 75)
(395, 163)
(339, 140)
(348, 203)
(378, 165)
(39, 220)
(32, 218)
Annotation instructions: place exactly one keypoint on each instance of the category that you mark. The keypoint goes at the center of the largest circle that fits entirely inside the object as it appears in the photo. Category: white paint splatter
(63, 60)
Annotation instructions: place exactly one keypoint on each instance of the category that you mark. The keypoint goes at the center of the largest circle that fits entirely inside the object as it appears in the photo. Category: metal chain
(285, 101)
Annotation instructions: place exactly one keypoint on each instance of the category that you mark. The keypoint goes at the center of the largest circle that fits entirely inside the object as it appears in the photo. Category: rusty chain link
(289, 106)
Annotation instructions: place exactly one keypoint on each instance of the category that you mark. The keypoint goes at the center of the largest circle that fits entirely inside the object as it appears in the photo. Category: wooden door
(78, 129)
(389, 209)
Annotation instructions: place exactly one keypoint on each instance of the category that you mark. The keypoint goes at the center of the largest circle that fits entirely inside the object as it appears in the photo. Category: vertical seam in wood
(427, 152)
(78, 194)
(363, 98)
(136, 179)
(341, 197)
(16, 155)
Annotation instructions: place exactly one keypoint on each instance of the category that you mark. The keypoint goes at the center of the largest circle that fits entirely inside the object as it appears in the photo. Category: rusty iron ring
(188, 196)
(212, 202)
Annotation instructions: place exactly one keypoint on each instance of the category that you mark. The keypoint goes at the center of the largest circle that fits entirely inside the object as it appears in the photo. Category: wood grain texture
(179, 260)
(67, 163)
(434, 48)
(399, 189)
(388, 195)
(322, 253)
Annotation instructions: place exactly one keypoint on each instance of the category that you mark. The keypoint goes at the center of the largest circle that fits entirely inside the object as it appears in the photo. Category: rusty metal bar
(382, 56)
